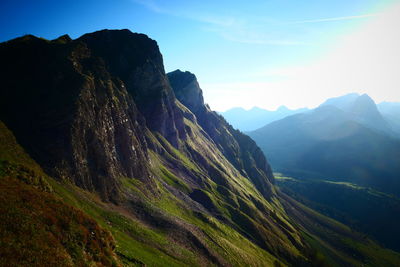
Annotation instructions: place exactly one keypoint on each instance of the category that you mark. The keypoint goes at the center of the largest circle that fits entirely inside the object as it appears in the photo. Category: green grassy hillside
(145, 229)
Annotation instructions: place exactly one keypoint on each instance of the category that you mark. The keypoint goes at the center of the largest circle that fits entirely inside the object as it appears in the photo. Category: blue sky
(244, 53)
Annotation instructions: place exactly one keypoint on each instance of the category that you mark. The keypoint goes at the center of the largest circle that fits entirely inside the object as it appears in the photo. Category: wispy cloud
(205, 18)
(252, 30)
(333, 19)
(151, 5)
(260, 40)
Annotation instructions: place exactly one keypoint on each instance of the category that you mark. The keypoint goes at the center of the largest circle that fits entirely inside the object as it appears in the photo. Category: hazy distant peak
(257, 109)
(366, 97)
(325, 108)
(282, 108)
(342, 102)
(364, 106)
(364, 101)
(236, 109)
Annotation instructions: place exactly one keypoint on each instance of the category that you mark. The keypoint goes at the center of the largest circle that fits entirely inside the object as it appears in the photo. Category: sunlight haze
(366, 60)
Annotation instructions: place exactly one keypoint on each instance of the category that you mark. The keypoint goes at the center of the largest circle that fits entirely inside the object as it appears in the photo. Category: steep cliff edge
(143, 155)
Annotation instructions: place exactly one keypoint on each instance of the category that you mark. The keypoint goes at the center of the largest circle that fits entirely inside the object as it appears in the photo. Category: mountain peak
(257, 109)
(366, 97)
(185, 77)
(186, 89)
(282, 108)
(112, 33)
(362, 104)
(235, 109)
(63, 39)
(342, 102)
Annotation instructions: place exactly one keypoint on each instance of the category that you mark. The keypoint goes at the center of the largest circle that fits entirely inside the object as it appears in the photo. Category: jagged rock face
(137, 61)
(107, 138)
(239, 149)
(72, 114)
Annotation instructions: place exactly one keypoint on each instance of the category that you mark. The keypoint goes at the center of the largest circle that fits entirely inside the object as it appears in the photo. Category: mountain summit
(361, 108)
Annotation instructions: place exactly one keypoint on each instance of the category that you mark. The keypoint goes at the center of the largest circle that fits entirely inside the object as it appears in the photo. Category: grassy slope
(36, 227)
(140, 241)
(136, 242)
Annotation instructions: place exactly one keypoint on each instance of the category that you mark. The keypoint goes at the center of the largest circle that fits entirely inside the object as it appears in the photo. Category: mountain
(343, 102)
(361, 109)
(391, 112)
(249, 120)
(107, 160)
(335, 142)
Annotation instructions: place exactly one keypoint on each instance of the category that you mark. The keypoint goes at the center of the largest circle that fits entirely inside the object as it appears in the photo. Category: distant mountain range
(344, 161)
(384, 116)
(252, 119)
(345, 138)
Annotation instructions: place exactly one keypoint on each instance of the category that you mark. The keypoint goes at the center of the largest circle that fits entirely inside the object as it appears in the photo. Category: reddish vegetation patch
(36, 229)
